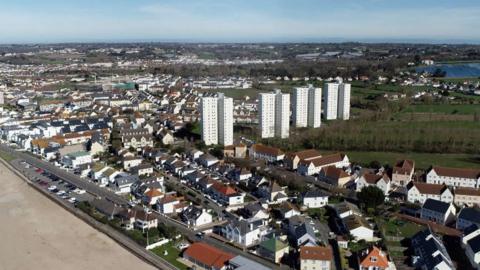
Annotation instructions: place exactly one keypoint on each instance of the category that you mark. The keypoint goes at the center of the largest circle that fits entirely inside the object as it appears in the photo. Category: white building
(225, 120)
(336, 101)
(471, 243)
(418, 192)
(344, 91)
(217, 120)
(300, 106)
(307, 106)
(330, 101)
(454, 177)
(266, 112)
(314, 107)
(74, 160)
(274, 114)
(316, 258)
(209, 120)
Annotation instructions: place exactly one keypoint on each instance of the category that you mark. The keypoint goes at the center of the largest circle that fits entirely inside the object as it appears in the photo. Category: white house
(196, 217)
(320, 258)
(74, 160)
(418, 192)
(315, 199)
(242, 232)
(438, 211)
(454, 177)
(471, 244)
(370, 179)
(313, 166)
(270, 154)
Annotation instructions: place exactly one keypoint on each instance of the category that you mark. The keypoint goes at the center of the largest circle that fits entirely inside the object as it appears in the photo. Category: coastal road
(102, 192)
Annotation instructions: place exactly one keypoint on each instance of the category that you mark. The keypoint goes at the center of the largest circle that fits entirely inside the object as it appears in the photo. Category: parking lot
(52, 183)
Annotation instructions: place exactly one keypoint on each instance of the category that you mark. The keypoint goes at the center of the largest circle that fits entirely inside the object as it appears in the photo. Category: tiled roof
(456, 172)
(208, 255)
(375, 258)
(325, 160)
(426, 188)
(316, 253)
(267, 150)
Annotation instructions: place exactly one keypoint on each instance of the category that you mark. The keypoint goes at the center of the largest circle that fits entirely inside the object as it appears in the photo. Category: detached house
(438, 211)
(374, 259)
(273, 249)
(381, 181)
(76, 159)
(320, 258)
(402, 172)
(315, 199)
(225, 194)
(243, 232)
(195, 217)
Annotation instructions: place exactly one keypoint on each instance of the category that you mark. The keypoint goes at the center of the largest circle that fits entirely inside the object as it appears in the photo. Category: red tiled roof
(267, 150)
(224, 189)
(457, 172)
(325, 160)
(208, 255)
(467, 191)
(374, 259)
(316, 253)
(405, 166)
(426, 188)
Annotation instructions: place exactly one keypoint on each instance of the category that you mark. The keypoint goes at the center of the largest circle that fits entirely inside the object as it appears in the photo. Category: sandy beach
(36, 233)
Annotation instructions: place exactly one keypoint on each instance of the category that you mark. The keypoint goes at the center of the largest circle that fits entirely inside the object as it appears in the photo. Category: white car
(72, 200)
(60, 193)
(52, 188)
(79, 191)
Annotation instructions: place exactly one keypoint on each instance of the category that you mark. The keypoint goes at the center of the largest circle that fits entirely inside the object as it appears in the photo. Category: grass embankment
(6, 156)
(171, 256)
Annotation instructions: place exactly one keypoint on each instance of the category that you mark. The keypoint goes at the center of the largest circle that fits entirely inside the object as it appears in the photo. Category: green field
(422, 160)
(445, 108)
(6, 156)
(171, 257)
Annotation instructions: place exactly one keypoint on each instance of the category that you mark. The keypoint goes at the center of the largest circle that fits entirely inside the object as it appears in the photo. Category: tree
(371, 197)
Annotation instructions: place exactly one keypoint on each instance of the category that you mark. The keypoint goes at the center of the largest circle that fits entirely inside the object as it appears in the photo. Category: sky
(49, 21)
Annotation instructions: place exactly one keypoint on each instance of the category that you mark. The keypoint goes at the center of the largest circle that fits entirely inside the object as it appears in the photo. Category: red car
(39, 170)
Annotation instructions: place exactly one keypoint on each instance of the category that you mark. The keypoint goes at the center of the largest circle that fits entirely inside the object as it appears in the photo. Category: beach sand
(36, 233)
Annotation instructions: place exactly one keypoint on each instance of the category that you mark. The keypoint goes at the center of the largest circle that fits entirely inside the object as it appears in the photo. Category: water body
(461, 70)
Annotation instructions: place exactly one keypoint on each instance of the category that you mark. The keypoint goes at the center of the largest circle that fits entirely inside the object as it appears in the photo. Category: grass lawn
(395, 227)
(445, 108)
(422, 160)
(6, 156)
(171, 257)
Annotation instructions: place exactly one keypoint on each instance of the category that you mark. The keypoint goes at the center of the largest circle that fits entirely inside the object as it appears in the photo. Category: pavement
(105, 193)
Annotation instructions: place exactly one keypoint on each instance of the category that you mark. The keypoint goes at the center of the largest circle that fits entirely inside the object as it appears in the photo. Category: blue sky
(239, 20)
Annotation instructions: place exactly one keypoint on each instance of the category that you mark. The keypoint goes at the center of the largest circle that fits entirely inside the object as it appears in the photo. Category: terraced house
(454, 177)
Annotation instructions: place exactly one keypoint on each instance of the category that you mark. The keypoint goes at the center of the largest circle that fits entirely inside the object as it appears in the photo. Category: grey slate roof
(470, 214)
(437, 206)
